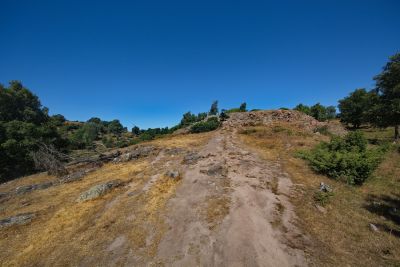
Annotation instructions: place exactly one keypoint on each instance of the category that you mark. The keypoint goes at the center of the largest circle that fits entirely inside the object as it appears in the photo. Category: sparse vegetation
(323, 198)
(318, 111)
(205, 126)
(347, 159)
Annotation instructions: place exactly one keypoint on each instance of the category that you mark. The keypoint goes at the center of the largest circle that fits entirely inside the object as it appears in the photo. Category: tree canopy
(388, 88)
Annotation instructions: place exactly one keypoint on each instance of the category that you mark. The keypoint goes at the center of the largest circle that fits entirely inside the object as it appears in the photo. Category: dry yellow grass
(341, 237)
(182, 141)
(67, 233)
(217, 209)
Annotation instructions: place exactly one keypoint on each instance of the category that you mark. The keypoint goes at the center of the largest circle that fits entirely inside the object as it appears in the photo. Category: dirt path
(232, 209)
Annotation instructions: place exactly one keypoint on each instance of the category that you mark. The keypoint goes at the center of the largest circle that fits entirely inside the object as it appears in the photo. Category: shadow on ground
(388, 207)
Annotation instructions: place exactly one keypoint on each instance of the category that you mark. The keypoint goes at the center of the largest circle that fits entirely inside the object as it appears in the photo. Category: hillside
(232, 197)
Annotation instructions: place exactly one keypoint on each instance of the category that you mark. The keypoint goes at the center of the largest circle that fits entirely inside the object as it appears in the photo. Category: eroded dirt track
(227, 207)
(232, 209)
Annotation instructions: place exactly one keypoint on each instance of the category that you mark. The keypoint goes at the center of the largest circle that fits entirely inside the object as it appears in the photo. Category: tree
(318, 111)
(355, 108)
(24, 124)
(136, 130)
(242, 107)
(115, 127)
(201, 116)
(19, 140)
(86, 135)
(330, 112)
(95, 120)
(214, 108)
(303, 108)
(18, 103)
(388, 89)
(188, 118)
(223, 116)
(57, 120)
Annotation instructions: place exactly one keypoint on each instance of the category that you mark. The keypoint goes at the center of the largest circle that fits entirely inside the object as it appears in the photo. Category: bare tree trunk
(396, 132)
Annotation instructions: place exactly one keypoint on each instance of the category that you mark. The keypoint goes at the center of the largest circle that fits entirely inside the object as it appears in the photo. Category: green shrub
(345, 158)
(281, 129)
(108, 142)
(233, 110)
(322, 198)
(205, 126)
(248, 131)
(322, 130)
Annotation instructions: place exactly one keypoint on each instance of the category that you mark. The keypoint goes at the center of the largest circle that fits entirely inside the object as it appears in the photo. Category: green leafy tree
(24, 125)
(242, 107)
(330, 112)
(86, 135)
(115, 127)
(57, 120)
(18, 140)
(355, 108)
(136, 130)
(18, 103)
(387, 110)
(201, 116)
(318, 111)
(94, 120)
(188, 118)
(214, 108)
(303, 108)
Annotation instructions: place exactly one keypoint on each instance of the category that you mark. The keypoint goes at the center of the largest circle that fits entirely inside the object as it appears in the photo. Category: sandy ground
(232, 209)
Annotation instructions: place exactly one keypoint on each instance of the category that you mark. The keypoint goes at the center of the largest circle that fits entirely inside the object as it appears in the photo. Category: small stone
(321, 209)
(373, 227)
(173, 174)
(324, 187)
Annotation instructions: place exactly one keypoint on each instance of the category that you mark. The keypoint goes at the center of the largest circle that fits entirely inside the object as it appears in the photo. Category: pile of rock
(266, 117)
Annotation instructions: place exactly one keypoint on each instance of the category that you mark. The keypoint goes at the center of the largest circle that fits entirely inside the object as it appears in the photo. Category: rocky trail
(232, 209)
(187, 200)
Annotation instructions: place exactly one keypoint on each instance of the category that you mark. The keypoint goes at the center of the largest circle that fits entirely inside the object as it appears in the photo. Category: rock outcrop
(99, 190)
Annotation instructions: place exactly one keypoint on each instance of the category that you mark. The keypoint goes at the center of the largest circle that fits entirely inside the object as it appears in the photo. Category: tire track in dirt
(232, 209)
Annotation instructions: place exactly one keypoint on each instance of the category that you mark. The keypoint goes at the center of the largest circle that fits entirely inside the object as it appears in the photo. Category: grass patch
(217, 209)
(322, 198)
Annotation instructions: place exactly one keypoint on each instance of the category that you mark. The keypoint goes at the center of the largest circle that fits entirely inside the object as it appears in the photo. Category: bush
(322, 130)
(322, 198)
(345, 158)
(233, 110)
(205, 126)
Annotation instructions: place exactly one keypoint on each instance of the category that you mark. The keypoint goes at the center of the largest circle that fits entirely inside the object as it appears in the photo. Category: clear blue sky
(147, 62)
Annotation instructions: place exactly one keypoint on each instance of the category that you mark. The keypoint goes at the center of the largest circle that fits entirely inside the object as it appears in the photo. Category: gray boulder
(138, 152)
(324, 188)
(19, 219)
(28, 188)
(76, 176)
(99, 190)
